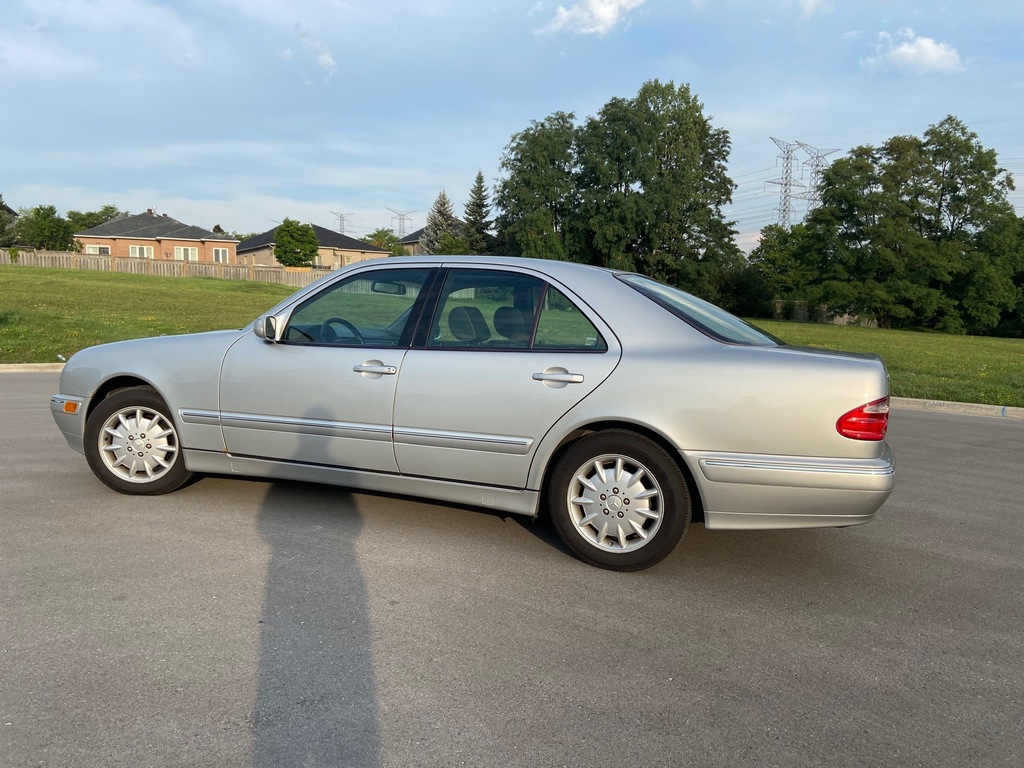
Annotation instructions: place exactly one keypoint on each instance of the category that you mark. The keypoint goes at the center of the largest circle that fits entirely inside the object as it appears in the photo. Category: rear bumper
(743, 491)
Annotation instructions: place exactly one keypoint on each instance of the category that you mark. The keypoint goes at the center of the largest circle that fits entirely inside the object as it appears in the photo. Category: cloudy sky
(243, 112)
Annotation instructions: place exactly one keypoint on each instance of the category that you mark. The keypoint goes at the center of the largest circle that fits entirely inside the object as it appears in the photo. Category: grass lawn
(932, 366)
(46, 312)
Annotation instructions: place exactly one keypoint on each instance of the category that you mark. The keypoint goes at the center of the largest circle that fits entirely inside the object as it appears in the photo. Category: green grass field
(49, 312)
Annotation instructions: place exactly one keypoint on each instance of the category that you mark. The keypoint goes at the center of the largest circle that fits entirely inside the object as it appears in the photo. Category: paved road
(240, 623)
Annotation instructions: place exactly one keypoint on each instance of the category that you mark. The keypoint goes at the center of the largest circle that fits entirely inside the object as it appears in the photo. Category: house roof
(414, 237)
(6, 208)
(327, 238)
(151, 226)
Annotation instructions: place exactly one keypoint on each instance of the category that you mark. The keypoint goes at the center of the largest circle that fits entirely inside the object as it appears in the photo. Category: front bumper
(69, 413)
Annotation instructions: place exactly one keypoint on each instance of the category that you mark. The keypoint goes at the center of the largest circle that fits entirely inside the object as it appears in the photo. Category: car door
(324, 391)
(507, 355)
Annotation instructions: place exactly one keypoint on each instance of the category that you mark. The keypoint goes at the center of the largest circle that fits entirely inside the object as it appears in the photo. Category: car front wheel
(132, 445)
(619, 501)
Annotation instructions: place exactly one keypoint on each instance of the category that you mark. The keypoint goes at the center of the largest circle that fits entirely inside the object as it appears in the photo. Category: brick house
(335, 249)
(156, 236)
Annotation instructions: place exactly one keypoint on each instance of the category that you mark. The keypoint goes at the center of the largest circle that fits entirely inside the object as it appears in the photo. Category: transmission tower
(341, 220)
(816, 165)
(786, 181)
(403, 217)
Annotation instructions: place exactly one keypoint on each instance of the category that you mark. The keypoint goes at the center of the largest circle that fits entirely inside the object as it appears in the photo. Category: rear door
(507, 354)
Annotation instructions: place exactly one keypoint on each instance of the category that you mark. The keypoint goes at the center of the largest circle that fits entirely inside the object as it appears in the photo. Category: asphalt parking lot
(244, 623)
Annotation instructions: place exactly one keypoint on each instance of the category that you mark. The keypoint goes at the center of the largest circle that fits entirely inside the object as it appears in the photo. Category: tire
(619, 501)
(132, 445)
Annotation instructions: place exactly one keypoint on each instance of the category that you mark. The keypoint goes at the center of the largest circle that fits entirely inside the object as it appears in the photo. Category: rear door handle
(561, 378)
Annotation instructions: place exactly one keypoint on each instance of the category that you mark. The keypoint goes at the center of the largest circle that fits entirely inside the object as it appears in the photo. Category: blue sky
(243, 112)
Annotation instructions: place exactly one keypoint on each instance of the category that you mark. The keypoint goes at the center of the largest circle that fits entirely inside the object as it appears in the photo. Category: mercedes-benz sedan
(620, 406)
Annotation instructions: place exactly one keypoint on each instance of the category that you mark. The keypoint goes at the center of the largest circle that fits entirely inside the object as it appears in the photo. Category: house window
(97, 250)
(220, 255)
(185, 253)
(140, 251)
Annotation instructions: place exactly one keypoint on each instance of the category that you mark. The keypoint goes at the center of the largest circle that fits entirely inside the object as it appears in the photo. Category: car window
(706, 317)
(497, 309)
(563, 326)
(368, 309)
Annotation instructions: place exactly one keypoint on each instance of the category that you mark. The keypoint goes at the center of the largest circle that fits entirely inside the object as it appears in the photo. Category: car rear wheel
(619, 501)
(132, 445)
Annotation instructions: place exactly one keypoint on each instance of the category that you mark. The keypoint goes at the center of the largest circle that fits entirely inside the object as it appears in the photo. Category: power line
(786, 181)
(341, 220)
(403, 217)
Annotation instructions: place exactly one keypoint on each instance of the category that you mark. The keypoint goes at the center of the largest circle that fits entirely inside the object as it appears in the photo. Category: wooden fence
(294, 277)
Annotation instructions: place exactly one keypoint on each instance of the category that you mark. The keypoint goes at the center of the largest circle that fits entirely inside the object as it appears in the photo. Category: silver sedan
(622, 407)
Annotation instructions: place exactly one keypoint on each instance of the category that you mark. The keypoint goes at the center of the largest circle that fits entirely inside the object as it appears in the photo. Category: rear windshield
(706, 317)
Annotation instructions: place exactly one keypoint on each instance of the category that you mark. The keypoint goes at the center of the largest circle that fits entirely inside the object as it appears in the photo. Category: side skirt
(517, 502)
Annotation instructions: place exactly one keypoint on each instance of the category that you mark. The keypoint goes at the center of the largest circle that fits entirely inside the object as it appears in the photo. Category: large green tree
(42, 227)
(640, 185)
(908, 233)
(295, 244)
(538, 196)
(477, 217)
(82, 221)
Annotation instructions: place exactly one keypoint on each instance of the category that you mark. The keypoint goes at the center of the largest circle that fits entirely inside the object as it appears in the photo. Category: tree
(441, 221)
(8, 237)
(538, 196)
(385, 238)
(82, 221)
(42, 227)
(640, 185)
(295, 244)
(907, 233)
(478, 209)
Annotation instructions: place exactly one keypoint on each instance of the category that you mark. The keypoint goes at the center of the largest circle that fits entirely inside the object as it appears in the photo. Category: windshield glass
(712, 320)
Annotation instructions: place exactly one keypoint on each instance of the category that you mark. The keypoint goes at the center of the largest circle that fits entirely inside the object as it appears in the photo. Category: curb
(899, 403)
(969, 409)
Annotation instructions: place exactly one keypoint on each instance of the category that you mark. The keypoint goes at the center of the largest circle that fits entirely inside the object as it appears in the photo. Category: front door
(324, 393)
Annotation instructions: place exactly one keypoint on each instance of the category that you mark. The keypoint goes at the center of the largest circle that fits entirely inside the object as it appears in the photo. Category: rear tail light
(868, 422)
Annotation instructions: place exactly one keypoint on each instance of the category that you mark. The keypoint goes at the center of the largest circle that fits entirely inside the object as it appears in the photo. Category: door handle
(378, 368)
(561, 378)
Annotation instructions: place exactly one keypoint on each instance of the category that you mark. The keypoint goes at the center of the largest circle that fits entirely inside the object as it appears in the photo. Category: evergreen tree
(441, 221)
(478, 208)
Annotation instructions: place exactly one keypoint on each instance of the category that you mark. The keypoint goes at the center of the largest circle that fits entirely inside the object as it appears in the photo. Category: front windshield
(703, 315)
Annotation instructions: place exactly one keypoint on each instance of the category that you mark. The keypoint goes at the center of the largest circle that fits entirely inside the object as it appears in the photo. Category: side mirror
(266, 328)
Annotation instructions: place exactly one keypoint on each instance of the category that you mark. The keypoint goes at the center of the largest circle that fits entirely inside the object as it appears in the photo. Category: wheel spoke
(138, 444)
(614, 503)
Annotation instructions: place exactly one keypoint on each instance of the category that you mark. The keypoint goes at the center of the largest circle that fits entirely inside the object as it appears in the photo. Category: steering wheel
(328, 335)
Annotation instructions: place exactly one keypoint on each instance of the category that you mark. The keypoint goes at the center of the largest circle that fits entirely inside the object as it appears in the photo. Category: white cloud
(317, 49)
(913, 55)
(591, 17)
(811, 7)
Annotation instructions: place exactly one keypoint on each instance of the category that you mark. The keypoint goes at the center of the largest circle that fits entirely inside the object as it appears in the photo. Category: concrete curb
(898, 403)
(969, 409)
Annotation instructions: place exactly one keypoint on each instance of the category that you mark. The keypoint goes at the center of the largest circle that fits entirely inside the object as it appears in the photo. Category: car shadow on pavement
(316, 702)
